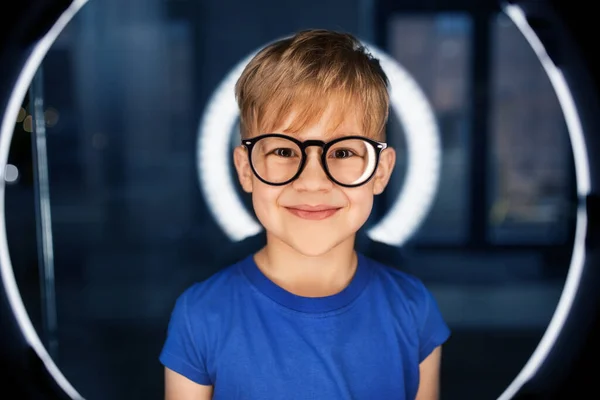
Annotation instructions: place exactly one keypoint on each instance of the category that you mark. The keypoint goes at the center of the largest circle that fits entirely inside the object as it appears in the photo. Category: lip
(315, 213)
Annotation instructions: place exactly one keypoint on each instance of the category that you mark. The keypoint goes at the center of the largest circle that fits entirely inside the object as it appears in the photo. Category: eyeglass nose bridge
(312, 143)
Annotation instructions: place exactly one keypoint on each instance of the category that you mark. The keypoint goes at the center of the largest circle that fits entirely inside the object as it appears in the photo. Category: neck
(306, 275)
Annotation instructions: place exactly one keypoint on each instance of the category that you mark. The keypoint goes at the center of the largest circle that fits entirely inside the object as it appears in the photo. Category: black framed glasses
(348, 161)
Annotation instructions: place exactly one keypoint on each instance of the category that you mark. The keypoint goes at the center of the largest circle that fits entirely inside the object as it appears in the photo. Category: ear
(387, 160)
(242, 166)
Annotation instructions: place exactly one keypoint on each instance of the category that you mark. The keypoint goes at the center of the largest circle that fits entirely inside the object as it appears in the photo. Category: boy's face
(312, 214)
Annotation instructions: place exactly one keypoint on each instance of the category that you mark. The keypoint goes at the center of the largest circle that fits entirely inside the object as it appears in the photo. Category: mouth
(316, 213)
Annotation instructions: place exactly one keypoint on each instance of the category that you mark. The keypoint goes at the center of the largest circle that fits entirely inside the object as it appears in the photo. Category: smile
(313, 212)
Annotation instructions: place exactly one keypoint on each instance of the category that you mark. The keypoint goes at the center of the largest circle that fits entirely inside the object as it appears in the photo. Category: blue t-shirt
(251, 339)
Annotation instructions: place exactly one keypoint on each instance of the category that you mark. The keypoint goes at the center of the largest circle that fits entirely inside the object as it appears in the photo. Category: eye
(284, 152)
(342, 153)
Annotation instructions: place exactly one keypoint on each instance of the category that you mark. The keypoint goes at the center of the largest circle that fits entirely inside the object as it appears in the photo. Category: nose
(313, 177)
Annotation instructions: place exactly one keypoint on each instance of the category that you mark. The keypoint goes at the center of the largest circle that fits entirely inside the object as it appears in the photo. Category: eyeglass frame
(378, 146)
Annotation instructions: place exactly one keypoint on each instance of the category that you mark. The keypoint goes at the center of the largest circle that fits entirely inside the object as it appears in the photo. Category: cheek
(264, 200)
(361, 203)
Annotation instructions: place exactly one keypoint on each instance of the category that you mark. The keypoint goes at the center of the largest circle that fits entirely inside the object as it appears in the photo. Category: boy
(307, 317)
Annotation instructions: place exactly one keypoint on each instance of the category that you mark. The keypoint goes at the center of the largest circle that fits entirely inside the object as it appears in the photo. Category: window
(435, 50)
(530, 163)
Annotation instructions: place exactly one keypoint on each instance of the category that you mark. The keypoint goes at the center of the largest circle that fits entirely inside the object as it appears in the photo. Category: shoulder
(405, 292)
(408, 294)
(397, 282)
(199, 311)
(215, 288)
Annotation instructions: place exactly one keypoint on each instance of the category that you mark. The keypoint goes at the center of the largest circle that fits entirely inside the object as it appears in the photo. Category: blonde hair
(307, 73)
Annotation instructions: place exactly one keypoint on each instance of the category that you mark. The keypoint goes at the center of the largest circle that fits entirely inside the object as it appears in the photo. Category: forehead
(332, 121)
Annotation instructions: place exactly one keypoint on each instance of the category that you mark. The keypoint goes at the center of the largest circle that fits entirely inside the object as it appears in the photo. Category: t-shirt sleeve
(433, 330)
(181, 351)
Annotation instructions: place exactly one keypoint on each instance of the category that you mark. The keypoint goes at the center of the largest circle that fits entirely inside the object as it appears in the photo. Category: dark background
(123, 90)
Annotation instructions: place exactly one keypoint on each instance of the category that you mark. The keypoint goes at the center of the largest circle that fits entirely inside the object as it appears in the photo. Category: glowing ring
(582, 173)
(576, 135)
(423, 147)
(8, 124)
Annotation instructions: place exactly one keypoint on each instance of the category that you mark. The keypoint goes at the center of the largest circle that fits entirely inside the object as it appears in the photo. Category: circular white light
(404, 217)
(582, 174)
(11, 114)
(226, 214)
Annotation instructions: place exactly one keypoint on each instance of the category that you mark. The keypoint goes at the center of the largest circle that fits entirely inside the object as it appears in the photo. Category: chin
(314, 246)
(311, 239)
